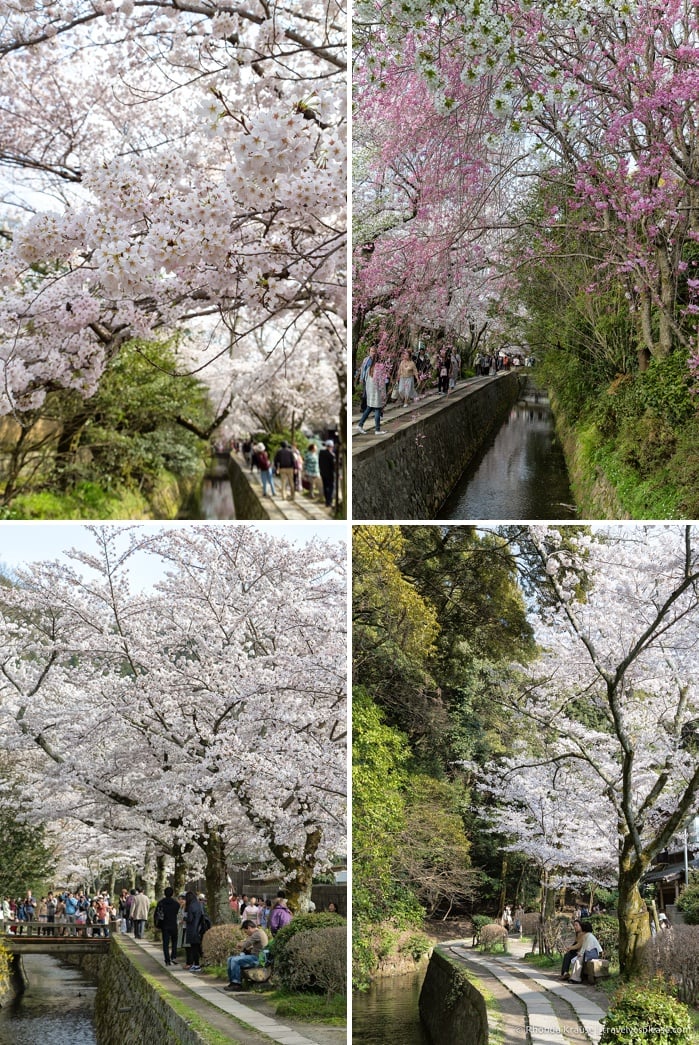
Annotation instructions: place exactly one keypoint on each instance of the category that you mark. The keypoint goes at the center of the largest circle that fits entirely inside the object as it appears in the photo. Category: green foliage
(316, 960)
(85, 500)
(300, 923)
(688, 902)
(642, 1013)
(129, 430)
(273, 440)
(606, 929)
(313, 1008)
(27, 860)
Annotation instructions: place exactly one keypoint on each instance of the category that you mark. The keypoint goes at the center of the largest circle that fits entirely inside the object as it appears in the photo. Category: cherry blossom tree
(597, 98)
(170, 159)
(614, 698)
(216, 702)
(542, 810)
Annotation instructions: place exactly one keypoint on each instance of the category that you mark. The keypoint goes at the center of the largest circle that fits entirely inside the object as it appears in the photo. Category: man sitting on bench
(249, 955)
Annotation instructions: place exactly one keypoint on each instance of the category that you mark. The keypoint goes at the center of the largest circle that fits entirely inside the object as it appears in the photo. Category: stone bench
(596, 969)
(257, 973)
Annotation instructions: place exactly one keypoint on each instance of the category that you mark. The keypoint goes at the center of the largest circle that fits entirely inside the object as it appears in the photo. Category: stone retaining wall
(451, 1009)
(410, 474)
(129, 1007)
(247, 503)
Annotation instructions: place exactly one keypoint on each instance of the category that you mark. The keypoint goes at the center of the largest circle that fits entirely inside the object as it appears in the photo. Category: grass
(496, 1035)
(543, 961)
(307, 1008)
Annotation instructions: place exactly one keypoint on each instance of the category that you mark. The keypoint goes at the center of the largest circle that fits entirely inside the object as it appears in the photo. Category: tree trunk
(503, 886)
(216, 877)
(634, 925)
(160, 878)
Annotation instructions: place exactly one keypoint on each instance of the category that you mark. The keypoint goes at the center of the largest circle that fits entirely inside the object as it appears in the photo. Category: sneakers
(380, 431)
(195, 968)
(233, 987)
(361, 430)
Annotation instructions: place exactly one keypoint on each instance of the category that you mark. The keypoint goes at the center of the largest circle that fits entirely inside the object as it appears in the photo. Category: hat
(259, 447)
(329, 442)
(201, 896)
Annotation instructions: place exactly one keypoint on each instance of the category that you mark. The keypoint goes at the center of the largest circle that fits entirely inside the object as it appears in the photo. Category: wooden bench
(596, 969)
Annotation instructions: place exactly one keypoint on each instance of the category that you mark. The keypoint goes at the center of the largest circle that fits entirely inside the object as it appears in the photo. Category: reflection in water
(217, 499)
(56, 1008)
(387, 1014)
(520, 474)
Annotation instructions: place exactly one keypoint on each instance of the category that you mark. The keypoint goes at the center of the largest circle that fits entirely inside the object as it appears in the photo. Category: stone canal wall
(409, 474)
(131, 1007)
(451, 1009)
(247, 503)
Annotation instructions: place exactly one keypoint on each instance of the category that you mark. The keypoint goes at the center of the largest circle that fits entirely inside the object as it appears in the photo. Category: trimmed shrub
(674, 955)
(316, 961)
(492, 936)
(688, 902)
(606, 929)
(302, 923)
(643, 1013)
(220, 942)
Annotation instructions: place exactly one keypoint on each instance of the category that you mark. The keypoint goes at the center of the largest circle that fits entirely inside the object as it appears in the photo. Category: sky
(24, 542)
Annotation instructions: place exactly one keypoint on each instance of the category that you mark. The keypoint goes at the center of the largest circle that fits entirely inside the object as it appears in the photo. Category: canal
(387, 1013)
(520, 473)
(56, 1009)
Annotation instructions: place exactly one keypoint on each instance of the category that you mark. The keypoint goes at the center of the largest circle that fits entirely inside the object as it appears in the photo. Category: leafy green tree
(27, 860)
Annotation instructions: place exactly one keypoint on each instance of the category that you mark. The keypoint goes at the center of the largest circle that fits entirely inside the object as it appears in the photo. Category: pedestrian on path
(311, 468)
(327, 463)
(194, 918)
(165, 919)
(407, 376)
(139, 913)
(285, 467)
(266, 470)
(374, 384)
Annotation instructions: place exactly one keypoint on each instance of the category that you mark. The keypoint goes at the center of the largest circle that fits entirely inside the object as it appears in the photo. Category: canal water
(387, 1014)
(217, 498)
(520, 473)
(56, 1009)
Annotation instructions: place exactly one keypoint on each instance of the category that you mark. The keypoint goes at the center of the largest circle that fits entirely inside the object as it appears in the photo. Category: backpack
(159, 915)
(204, 924)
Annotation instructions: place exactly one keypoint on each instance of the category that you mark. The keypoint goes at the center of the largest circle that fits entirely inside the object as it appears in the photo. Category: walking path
(241, 1016)
(396, 417)
(555, 1012)
(301, 508)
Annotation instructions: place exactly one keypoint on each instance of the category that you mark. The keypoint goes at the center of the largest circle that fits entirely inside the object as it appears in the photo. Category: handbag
(576, 969)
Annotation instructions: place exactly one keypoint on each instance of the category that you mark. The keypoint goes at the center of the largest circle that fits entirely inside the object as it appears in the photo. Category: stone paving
(302, 508)
(396, 417)
(556, 1012)
(244, 1010)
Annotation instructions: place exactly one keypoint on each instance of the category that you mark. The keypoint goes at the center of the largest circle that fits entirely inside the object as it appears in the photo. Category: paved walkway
(555, 1012)
(396, 417)
(301, 508)
(244, 1018)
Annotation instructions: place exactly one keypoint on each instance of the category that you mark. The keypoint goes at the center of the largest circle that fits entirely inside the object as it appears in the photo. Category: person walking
(165, 919)
(311, 468)
(266, 470)
(327, 462)
(374, 384)
(285, 467)
(139, 913)
(194, 917)
(407, 376)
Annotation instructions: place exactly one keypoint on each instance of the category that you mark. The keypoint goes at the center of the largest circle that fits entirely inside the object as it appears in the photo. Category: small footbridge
(55, 939)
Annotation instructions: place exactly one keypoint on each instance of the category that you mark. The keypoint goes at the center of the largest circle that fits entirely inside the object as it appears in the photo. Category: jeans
(138, 927)
(236, 964)
(377, 416)
(267, 477)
